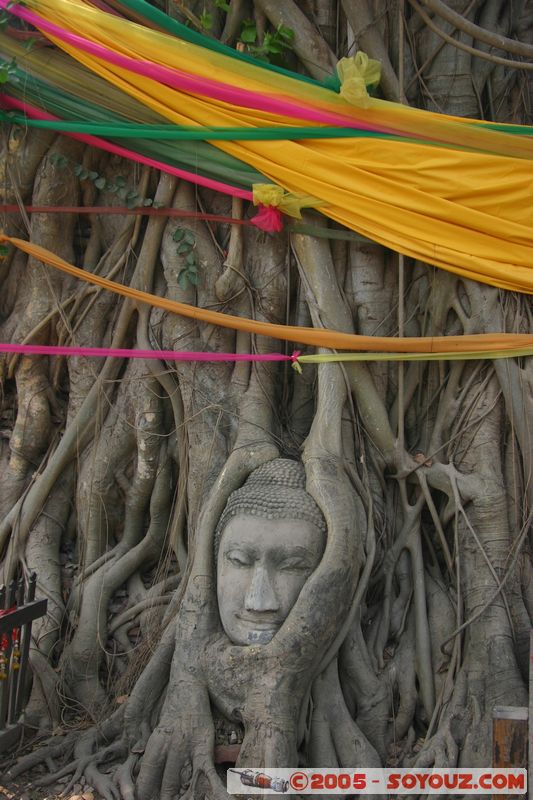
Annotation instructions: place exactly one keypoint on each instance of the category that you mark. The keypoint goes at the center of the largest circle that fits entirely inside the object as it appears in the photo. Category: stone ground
(23, 790)
(24, 787)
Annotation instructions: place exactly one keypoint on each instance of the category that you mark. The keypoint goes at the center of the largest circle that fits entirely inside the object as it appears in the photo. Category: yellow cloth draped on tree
(465, 206)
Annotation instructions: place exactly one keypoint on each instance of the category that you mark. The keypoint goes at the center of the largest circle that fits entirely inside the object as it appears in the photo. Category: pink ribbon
(103, 144)
(117, 352)
(185, 82)
(268, 219)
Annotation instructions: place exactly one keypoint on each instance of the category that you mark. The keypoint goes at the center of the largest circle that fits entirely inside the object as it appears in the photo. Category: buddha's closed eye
(296, 564)
(239, 558)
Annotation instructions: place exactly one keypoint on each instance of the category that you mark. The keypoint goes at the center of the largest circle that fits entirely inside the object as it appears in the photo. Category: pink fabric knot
(268, 219)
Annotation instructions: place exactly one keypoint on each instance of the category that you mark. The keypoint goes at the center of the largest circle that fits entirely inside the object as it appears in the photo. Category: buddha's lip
(260, 624)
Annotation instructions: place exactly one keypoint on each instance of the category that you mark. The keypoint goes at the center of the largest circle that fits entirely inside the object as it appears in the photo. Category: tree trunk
(114, 474)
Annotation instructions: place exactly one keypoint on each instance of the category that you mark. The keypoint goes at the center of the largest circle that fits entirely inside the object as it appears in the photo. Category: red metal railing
(18, 610)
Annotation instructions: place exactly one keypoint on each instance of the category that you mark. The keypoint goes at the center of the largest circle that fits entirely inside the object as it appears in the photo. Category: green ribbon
(320, 232)
(194, 156)
(516, 130)
(106, 128)
(176, 133)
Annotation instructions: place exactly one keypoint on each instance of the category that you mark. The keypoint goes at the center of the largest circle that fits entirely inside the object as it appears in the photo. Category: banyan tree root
(82, 754)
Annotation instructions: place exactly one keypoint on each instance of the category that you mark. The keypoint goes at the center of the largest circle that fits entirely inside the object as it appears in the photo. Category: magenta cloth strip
(114, 352)
(181, 80)
(95, 141)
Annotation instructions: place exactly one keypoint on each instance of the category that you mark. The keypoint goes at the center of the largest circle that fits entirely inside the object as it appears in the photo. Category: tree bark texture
(114, 474)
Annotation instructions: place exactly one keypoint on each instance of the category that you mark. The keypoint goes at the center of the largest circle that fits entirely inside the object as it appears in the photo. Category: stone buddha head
(269, 539)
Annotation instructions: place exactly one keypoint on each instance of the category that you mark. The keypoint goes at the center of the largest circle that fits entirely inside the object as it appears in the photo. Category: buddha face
(261, 569)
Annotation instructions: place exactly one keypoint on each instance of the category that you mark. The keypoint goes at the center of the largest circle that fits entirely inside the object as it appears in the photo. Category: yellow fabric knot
(296, 367)
(356, 74)
(269, 194)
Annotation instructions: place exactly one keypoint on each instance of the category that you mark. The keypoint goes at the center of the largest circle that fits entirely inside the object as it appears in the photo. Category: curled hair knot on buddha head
(275, 490)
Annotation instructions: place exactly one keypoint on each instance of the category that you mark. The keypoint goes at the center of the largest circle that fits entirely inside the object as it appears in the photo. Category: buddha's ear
(327, 599)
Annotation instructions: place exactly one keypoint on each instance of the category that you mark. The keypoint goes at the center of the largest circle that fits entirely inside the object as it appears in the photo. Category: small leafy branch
(205, 21)
(275, 43)
(187, 248)
(118, 186)
(8, 69)
(5, 16)
(8, 72)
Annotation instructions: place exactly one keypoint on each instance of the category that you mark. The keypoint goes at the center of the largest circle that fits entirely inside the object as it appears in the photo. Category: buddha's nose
(261, 595)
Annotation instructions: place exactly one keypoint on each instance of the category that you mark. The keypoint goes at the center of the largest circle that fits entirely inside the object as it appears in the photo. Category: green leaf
(271, 44)
(179, 233)
(80, 171)
(93, 175)
(190, 238)
(122, 193)
(29, 44)
(100, 182)
(222, 5)
(258, 52)
(8, 71)
(183, 279)
(62, 161)
(120, 180)
(248, 32)
(286, 33)
(193, 277)
(4, 250)
(147, 202)
(59, 160)
(132, 200)
(132, 195)
(191, 258)
(183, 248)
(206, 20)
